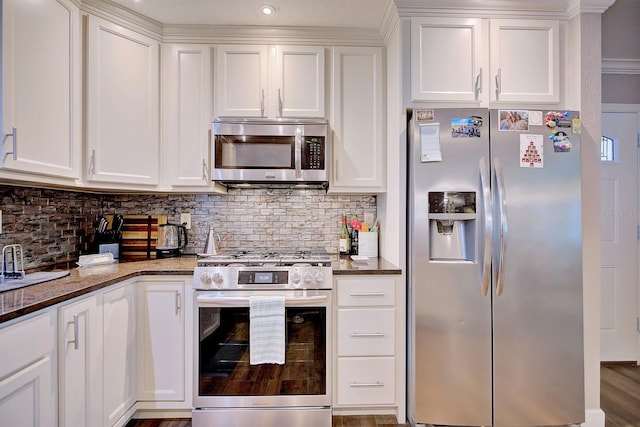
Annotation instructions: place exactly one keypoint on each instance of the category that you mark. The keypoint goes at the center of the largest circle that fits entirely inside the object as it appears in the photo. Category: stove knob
(218, 277)
(307, 277)
(205, 277)
(295, 277)
(319, 276)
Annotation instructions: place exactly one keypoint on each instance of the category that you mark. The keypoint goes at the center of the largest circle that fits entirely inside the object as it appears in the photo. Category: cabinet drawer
(366, 332)
(365, 291)
(365, 381)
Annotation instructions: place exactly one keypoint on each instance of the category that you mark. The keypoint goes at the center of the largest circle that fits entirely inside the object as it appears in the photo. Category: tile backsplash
(56, 227)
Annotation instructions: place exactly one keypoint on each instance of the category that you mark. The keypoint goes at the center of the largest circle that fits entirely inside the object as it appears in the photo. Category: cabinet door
(80, 379)
(447, 59)
(28, 374)
(122, 106)
(41, 89)
(187, 115)
(119, 352)
(525, 57)
(298, 88)
(161, 341)
(241, 81)
(357, 119)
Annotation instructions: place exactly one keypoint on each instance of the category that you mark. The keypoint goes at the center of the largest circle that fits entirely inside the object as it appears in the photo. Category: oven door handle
(218, 301)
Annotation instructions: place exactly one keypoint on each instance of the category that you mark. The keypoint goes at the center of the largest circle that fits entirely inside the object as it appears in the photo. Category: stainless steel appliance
(495, 268)
(271, 151)
(172, 239)
(228, 390)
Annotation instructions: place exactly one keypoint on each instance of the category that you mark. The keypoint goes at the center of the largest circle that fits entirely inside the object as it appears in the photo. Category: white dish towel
(266, 330)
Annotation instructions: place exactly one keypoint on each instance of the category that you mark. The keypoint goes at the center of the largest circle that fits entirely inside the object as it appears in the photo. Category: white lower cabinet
(80, 362)
(369, 342)
(119, 352)
(28, 372)
(163, 369)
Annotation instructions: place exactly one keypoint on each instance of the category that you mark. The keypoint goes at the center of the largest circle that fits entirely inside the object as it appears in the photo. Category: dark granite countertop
(345, 266)
(84, 280)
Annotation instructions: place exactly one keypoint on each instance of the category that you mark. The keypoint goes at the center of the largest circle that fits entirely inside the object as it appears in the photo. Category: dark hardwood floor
(346, 421)
(619, 399)
(620, 394)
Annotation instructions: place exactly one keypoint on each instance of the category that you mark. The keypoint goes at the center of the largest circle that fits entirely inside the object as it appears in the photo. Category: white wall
(586, 29)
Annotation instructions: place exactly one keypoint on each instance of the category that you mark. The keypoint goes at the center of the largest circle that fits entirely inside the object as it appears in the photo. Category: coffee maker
(172, 239)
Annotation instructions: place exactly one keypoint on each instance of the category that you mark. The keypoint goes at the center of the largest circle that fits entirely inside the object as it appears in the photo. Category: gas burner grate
(268, 258)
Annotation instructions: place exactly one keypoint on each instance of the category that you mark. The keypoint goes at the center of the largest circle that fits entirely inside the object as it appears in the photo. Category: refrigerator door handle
(488, 225)
(502, 205)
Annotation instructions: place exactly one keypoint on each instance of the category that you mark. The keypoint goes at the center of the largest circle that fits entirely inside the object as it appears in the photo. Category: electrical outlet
(185, 218)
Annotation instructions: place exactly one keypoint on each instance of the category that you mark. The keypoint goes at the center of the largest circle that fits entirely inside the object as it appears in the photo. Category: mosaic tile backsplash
(55, 227)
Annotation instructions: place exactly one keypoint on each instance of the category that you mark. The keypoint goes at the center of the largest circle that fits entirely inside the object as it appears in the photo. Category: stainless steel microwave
(271, 151)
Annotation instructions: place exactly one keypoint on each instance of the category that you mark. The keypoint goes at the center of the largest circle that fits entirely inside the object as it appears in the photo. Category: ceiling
(298, 13)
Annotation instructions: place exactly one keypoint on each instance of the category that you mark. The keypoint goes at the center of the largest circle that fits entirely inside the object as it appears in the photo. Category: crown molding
(620, 66)
(229, 34)
(559, 9)
(271, 35)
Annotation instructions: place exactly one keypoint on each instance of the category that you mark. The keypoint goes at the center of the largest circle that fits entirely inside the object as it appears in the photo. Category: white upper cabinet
(483, 61)
(269, 81)
(41, 91)
(357, 120)
(525, 60)
(123, 71)
(187, 116)
(297, 86)
(447, 60)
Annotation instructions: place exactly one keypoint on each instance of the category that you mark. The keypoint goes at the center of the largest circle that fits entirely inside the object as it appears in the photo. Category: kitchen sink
(31, 279)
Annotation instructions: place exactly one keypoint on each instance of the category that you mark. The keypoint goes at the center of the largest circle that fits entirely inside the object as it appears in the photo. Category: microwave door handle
(298, 153)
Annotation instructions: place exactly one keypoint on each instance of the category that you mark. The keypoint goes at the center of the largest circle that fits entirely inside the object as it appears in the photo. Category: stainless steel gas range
(228, 389)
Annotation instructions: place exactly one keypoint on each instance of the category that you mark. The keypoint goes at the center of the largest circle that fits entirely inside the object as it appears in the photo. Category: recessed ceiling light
(267, 9)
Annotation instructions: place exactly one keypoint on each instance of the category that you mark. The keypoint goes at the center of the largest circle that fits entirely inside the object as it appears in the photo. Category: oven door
(224, 378)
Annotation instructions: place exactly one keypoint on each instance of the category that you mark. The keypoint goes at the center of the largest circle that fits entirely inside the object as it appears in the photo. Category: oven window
(224, 368)
(255, 152)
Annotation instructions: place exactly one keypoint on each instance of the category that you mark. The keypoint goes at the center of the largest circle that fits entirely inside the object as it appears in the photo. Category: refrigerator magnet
(424, 115)
(513, 120)
(466, 128)
(561, 142)
(531, 151)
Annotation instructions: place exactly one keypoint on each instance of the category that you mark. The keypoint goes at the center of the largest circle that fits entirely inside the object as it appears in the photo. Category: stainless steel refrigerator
(495, 268)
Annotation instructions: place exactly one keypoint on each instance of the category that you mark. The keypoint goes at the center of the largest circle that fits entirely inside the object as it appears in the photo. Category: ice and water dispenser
(452, 226)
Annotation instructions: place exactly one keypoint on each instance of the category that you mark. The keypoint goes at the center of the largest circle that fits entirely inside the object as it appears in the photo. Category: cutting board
(139, 235)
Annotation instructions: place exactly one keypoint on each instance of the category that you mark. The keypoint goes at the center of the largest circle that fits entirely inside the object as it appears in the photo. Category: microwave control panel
(313, 153)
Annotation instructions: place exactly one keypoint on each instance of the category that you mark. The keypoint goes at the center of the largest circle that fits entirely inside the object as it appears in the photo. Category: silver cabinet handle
(14, 148)
(478, 85)
(178, 302)
(376, 384)
(262, 104)
(205, 170)
(488, 225)
(92, 162)
(76, 332)
(502, 205)
(279, 103)
(367, 334)
(367, 294)
(498, 84)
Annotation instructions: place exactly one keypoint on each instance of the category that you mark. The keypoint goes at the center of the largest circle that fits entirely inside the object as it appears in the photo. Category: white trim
(620, 108)
(593, 418)
(620, 66)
